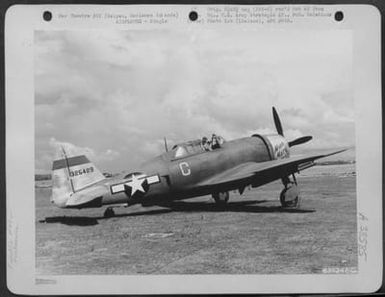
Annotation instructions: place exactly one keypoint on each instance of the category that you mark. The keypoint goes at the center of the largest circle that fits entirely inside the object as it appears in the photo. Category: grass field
(253, 234)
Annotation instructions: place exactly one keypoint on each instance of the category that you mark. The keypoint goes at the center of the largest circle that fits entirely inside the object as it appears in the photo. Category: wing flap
(265, 171)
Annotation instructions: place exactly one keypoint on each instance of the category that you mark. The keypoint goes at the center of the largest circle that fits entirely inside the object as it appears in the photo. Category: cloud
(58, 148)
(70, 149)
(121, 92)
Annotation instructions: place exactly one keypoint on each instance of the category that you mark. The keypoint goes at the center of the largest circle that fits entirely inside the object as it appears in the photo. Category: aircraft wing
(264, 172)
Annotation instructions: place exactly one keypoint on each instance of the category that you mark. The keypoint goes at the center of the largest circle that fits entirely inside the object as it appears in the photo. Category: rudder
(71, 174)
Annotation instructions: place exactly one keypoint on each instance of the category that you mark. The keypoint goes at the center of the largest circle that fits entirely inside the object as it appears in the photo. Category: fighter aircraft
(190, 169)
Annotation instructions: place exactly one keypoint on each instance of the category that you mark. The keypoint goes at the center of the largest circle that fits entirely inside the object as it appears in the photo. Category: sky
(115, 94)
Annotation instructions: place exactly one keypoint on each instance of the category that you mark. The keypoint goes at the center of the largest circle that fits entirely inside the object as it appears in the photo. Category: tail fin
(71, 174)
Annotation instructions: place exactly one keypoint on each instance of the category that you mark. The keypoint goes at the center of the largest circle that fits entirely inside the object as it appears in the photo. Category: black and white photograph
(216, 144)
(198, 150)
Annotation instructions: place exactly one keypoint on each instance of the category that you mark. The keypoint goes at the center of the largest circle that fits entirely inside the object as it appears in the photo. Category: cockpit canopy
(197, 146)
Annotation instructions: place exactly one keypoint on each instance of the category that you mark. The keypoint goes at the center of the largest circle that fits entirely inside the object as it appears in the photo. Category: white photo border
(20, 23)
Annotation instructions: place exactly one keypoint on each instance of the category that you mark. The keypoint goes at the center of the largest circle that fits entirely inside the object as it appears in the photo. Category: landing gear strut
(109, 213)
(221, 198)
(289, 197)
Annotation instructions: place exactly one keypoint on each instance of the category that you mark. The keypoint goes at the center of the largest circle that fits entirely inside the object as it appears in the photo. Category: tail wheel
(221, 198)
(290, 197)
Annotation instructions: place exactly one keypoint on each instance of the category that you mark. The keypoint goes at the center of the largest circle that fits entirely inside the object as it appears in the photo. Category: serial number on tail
(81, 171)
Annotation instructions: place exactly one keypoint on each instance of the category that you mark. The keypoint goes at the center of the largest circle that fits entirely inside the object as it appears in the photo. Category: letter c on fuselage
(185, 168)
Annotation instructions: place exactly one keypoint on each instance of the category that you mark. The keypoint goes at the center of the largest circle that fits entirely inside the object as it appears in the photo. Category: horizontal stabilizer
(89, 196)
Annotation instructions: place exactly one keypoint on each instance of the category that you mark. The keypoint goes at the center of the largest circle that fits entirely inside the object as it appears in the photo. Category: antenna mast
(165, 144)
(68, 169)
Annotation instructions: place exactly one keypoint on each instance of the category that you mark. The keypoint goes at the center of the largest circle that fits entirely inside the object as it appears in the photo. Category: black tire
(109, 213)
(290, 197)
(221, 198)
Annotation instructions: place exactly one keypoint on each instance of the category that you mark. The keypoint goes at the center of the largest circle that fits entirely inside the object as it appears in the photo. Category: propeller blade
(277, 122)
(300, 140)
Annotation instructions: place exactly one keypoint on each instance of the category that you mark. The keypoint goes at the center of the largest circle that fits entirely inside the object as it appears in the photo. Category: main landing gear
(289, 197)
(109, 212)
(221, 198)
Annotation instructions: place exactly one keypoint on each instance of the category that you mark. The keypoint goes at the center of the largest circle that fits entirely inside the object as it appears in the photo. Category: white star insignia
(136, 185)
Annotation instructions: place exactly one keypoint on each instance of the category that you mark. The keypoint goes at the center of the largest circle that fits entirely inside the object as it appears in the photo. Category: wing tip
(339, 151)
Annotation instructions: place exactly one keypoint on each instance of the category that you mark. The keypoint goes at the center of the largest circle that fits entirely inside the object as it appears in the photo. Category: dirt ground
(252, 235)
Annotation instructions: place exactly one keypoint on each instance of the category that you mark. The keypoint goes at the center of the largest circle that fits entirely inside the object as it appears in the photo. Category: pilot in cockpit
(206, 144)
(215, 143)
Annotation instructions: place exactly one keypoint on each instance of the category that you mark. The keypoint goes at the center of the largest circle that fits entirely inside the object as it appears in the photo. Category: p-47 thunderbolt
(189, 169)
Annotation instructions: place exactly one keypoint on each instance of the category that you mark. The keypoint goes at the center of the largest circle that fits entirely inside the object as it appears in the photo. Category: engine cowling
(279, 146)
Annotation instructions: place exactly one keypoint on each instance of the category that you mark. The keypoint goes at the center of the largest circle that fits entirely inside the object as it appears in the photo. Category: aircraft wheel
(290, 196)
(109, 213)
(221, 198)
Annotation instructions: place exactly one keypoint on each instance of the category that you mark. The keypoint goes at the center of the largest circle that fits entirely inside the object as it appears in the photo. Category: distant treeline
(43, 176)
(49, 176)
(338, 162)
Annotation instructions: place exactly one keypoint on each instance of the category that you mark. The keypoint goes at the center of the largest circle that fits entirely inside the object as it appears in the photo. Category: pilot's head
(204, 139)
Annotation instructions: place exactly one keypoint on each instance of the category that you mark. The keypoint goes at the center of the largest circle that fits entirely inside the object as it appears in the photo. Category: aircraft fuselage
(180, 178)
(190, 169)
